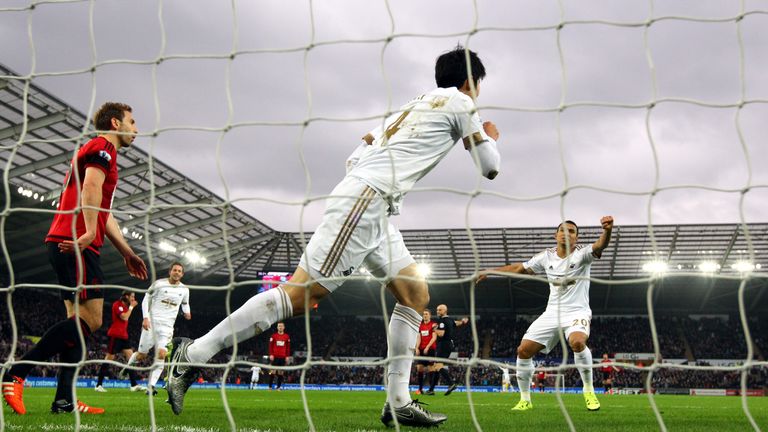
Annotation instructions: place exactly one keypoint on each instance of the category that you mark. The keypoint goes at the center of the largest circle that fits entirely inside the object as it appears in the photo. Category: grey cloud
(602, 147)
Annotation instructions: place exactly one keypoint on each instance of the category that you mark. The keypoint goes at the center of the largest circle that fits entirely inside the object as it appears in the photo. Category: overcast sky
(350, 78)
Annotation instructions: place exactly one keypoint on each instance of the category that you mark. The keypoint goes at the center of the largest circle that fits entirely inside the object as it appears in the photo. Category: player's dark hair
(569, 222)
(174, 264)
(102, 120)
(126, 294)
(451, 68)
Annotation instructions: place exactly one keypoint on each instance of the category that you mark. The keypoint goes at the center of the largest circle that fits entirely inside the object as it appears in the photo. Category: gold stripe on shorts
(334, 255)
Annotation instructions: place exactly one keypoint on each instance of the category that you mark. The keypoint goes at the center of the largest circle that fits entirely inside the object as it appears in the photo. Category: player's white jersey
(505, 375)
(565, 291)
(255, 371)
(162, 302)
(414, 140)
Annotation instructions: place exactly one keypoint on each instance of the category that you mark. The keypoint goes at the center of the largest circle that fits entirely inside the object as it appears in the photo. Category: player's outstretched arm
(133, 262)
(605, 237)
(517, 268)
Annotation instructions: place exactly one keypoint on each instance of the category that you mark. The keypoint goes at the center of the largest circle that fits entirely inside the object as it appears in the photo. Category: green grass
(359, 411)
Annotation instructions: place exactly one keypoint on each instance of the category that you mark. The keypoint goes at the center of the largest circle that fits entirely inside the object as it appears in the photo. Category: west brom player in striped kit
(160, 308)
(425, 347)
(89, 187)
(279, 352)
(567, 267)
(354, 232)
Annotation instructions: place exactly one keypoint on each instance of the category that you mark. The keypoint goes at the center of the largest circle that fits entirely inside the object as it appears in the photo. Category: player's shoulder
(100, 144)
(584, 248)
(455, 100)
(546, 253)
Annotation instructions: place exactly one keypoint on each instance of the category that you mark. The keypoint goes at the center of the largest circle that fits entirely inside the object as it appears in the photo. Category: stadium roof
(167, 215)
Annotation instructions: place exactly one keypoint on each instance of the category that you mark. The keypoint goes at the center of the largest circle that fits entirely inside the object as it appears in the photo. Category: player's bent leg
(59, 339)
(412, 295)
(297, 292)
(136, 357)
(89, 311)
(257, 315)
(156, 371)
(252, 318)
(525, 352)
(582, 356)
(403, 331)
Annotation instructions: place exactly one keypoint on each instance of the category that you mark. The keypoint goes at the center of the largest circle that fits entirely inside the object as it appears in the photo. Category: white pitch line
(48, 427)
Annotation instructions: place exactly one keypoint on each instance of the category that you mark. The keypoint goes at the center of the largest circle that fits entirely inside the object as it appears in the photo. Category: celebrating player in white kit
(567, 267)
(354, 232)
(160, 308)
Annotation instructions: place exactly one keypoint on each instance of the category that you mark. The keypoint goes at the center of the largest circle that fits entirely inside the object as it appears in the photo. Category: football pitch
(262, 410)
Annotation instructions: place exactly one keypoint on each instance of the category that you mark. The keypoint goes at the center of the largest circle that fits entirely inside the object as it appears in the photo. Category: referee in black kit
(446, 326)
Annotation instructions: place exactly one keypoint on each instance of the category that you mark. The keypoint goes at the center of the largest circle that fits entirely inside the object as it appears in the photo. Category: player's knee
(140, 356)
(578, 345)
(297, 295)
(523, 352)
(94, 323)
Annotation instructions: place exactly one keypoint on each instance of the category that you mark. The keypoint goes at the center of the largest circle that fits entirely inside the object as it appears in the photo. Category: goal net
(247, 111)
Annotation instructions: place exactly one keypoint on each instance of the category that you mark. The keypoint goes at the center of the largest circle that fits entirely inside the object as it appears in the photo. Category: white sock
(403, 331)
(132, 359)
(154, 374)
(252, 318)
(524, 375)
(584, 358)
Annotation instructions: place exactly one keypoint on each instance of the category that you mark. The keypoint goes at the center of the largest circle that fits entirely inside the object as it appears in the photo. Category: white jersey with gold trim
(568, 278)
(414, 140)
(162, 302)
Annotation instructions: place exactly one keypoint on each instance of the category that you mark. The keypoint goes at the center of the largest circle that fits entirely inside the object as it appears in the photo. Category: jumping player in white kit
(567, 267)
(354, 232)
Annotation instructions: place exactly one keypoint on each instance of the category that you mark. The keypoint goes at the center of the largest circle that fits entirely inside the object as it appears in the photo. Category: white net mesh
(650, 112)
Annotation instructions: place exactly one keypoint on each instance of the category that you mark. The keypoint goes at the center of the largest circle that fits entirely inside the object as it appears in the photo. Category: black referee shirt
(449, 325)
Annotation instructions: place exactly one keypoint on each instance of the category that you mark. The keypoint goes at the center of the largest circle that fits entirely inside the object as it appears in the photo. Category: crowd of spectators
(342, 338)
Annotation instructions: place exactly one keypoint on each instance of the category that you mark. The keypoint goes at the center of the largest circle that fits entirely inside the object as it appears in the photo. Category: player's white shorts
(163, 333)
(355, 230)
(545, 329)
